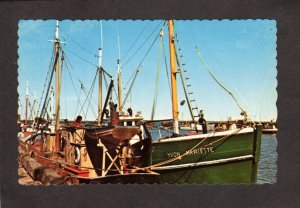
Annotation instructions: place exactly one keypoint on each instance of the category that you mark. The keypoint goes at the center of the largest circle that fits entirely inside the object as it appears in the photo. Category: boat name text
(198, 151)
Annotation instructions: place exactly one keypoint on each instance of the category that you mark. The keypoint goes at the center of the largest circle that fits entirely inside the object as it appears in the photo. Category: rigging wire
(135, 41)
(137, 69)
(105, 73)
(89, 104)
(143, 43)
(72, 78)
(222, 86)
(186, 93)
(78, 95)
(184, 89)
(131, 85)
(49, 84)
(83, 48)
(89, 94)
(167, 71)
(157, 76)
(68, 64)
(134, 75)
(78, 103)
(48, 74)
(67, 68)
(88, 61)
(79, 45)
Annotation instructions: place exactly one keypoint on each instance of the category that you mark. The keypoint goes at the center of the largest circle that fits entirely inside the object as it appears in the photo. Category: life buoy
(76, 155)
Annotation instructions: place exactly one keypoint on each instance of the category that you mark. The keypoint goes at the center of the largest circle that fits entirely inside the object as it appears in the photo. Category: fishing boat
(100, 153)
(229, 156)
(269, 128)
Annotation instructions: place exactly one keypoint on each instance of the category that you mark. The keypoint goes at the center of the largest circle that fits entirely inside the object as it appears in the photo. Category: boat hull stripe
(213, 162)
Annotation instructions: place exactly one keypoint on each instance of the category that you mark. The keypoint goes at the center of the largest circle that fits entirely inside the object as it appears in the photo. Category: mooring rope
(188, 151)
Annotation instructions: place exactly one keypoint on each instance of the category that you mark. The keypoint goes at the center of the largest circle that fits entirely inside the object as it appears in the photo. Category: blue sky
(240, 53)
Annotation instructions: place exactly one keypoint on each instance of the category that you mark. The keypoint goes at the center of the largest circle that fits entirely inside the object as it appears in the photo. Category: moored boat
(269, 128)
(80, 153)
(208, 157)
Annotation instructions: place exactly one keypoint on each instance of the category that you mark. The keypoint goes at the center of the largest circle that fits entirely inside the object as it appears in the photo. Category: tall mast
(100, 86)
(19, 109)
(27, 102)
(173, 76)
(100, 76)
(57, 79)
(52, 104)
(119, 87)
(119, 79)
(34, 107)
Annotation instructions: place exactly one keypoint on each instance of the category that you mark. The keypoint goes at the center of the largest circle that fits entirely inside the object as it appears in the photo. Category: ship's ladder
(187, 87)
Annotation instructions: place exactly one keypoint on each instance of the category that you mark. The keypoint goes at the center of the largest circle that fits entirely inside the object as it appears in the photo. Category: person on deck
(202, 122)
(77, 122)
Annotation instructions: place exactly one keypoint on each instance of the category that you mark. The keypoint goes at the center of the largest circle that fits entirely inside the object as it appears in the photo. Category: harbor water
(267, 166)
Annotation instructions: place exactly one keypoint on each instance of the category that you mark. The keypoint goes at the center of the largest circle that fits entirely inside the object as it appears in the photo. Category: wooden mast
(34, 107)
(100, 78)
(173, 76)
(100, 86)
(27, 102)
(52, 112)
(119, 87)
(57, 80)
(119, 80)
(19, 111)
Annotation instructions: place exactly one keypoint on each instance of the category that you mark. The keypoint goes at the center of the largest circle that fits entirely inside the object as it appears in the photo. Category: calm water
(267, 166)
